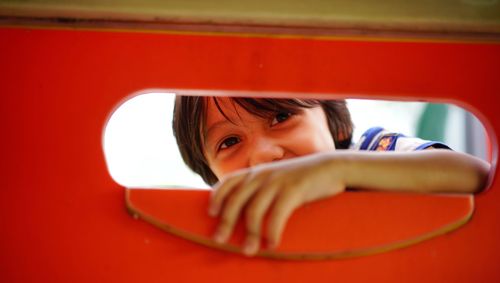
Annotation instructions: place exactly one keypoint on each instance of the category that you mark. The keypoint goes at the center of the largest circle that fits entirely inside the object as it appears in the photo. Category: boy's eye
(228, 142)
(280, 117)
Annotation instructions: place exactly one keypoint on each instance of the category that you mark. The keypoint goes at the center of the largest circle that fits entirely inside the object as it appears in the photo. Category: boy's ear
(344, 139)
(341, 137)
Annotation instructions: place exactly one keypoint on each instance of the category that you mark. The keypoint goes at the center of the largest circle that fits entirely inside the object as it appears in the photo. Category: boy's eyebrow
(214, 126)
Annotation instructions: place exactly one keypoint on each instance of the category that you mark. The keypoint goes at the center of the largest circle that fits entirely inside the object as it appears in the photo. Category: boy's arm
(280, 187)
(434, 170)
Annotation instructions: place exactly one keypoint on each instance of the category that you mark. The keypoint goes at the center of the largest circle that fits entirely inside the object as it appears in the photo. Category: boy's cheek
(228, 165)
(304, 144)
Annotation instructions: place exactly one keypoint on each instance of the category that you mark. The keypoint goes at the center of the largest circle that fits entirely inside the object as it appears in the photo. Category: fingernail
(251, 247)
(212, 211)
(220, 237)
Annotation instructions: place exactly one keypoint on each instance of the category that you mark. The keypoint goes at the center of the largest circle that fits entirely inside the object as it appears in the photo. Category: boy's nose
(266, 150)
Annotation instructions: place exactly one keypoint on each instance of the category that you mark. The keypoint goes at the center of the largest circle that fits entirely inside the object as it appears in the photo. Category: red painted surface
(63, 218)
(383, 220)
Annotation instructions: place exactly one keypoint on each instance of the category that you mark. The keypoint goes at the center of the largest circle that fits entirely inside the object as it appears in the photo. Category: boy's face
(248, 140)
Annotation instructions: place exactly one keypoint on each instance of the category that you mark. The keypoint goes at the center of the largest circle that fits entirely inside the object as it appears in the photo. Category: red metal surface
(361, 222)
(63, 218)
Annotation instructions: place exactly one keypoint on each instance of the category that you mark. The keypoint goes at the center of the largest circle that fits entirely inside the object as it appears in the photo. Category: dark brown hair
(190, 116)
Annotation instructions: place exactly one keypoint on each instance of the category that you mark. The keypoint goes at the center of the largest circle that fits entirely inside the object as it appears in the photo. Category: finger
(232, 208)
(220, 191)
(254, 215)
(283, 208)
(251, 246)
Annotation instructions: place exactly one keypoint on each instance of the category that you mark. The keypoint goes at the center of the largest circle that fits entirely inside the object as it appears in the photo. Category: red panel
(394, 221)
(63, 218)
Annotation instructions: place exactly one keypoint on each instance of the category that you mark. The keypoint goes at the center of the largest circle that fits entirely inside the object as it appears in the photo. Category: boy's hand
(276, 188)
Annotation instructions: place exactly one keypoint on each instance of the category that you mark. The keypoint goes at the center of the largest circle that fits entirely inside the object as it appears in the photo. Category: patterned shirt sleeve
(379, 139)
